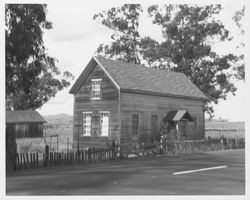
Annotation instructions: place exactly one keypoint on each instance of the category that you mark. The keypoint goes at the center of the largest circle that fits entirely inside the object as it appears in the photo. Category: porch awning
(178, 115)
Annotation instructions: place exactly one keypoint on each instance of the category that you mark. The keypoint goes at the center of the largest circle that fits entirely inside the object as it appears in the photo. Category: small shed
(24, 123)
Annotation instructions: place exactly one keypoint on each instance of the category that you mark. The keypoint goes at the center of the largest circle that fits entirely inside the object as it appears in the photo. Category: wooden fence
(188, 146)
(22, 161)
(36, 160)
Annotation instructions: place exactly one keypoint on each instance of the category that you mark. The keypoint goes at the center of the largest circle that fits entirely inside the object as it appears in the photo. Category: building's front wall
(146, 106)
(84, 103)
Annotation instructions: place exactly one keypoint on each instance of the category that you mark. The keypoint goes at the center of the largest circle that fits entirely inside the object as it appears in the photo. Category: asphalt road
(138, 176)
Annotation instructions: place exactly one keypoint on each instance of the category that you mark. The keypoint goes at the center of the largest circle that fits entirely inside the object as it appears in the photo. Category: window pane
(104, 124)
(86, 124)
(96, 90)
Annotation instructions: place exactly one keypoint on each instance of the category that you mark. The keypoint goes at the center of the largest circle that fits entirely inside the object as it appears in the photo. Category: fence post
(54, 158)
(82, 156)
(31, 160)
(57, 142)
(24, 161)
(27, 159)
(46, 159)
(89, 155)
(60, 157)
(67, 145)
(50, 158)
(21, 161)
(17, 161)
(37, 160)
(50, 141)
(67, 156)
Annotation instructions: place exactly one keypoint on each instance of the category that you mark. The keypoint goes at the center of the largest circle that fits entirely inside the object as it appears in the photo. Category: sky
(75, 38)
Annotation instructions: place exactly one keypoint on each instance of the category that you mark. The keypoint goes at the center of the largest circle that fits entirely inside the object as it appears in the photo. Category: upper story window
(96, 89)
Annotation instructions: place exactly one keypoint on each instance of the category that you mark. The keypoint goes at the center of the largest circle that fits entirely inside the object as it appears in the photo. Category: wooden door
(190, 129)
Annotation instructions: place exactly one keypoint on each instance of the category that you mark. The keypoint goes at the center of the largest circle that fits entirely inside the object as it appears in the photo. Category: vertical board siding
(148, 105)
(26, 130)
(83, 103)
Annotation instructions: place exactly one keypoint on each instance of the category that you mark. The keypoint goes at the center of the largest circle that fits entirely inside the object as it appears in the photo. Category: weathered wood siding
(83, 103)
(147, 105)
(25, 130)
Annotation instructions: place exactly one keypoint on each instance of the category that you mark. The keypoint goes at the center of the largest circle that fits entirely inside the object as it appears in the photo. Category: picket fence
(36, 160)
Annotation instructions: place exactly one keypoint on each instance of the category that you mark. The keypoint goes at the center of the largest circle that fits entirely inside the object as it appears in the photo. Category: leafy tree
(32, 77)
(126, 39)
(188, 33)
(238, 16)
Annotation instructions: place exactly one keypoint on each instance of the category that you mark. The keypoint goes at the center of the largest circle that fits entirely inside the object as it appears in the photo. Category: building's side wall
(108, 102)
(25, 130)
(147, 105)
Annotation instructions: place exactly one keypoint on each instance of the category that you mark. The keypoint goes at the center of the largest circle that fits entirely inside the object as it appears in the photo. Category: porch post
(177, 128)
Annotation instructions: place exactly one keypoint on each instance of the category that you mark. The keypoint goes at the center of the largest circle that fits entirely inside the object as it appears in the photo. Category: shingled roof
(133, 77)
(23, 116)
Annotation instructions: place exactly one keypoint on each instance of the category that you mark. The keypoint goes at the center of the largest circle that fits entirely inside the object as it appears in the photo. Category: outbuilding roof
(23, 116)
(139, 78)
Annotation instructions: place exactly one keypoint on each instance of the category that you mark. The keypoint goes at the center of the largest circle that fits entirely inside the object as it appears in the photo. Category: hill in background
(58, 120)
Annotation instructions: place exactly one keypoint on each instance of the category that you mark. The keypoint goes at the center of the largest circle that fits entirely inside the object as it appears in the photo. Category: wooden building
(24, 123)
(125, 102)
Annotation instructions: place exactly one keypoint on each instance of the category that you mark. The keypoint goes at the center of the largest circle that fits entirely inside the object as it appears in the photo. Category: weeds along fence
(189, 146)
(36, 160)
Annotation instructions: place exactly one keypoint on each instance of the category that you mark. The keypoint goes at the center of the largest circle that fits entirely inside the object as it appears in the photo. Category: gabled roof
(138, 78)
(178, 115)
(23, 116)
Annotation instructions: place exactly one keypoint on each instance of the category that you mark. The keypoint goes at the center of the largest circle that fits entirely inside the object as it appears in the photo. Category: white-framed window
(86, 123)
(104, 123)
(96, 89)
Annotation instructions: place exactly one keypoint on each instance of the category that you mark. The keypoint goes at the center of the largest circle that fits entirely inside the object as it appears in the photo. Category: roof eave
(106, 72)
(76, 86)
(80, 79)
(18, 122)
(163, 94)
